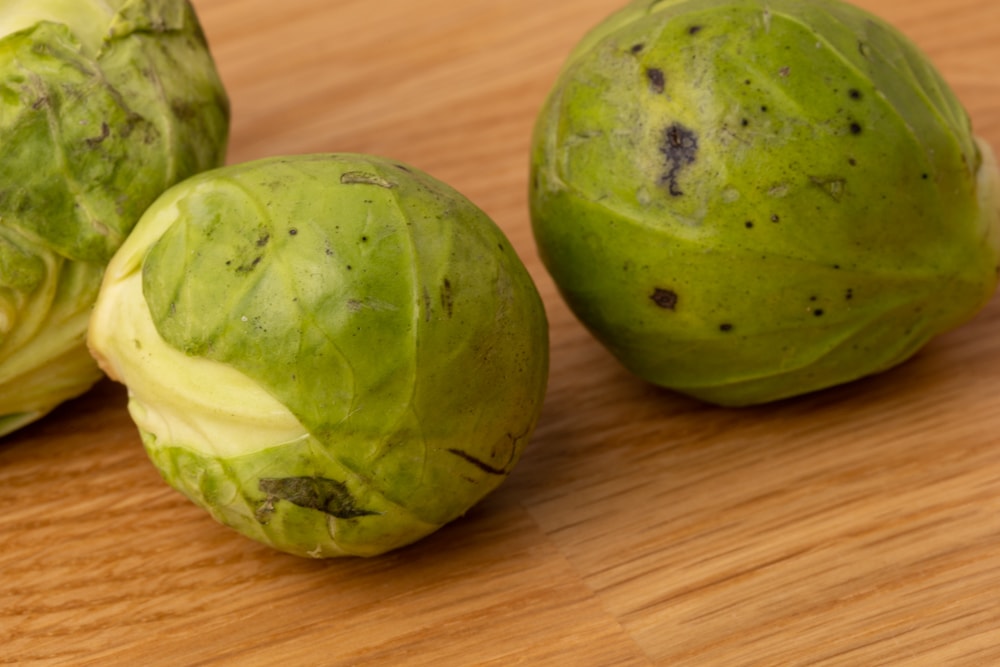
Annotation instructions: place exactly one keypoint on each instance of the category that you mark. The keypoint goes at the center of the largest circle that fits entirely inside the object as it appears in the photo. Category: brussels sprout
(105, 104)
(746, 200)
(333, 354)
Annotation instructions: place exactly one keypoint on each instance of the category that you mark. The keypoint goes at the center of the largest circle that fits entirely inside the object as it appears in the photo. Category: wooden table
(857, 526)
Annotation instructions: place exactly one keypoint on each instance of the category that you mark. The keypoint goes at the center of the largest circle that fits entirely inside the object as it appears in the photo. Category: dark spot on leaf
(775, 218)
(818, 312)
(784, 71)
(763, 108)
(94, 142)
(855, 128)
(694, 30)
(679, 146)
(249, 266)
(851, 161)
(482, 465)
(924, 176)
(262, 241)
(293, 231)
(725, 327)
(854, 94)
(316, 493)
(446, 297)
(849, 294)
(183, 110)
(664, 298)
(748, 224)
(637, 48)
(657, 81)
(744, 122)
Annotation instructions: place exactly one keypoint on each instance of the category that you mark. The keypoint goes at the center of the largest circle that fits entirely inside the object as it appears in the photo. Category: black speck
(818, 312)
(748, 224)
(854, 94)
(349, 267)
(262, 241)
(812, 298)
(849, 294)
(924, 176)
(725, 327)
(747, 82)
(637, 48)
(364, 239)
(664, 298)
(851, 161)
(855, 128)
(293, 231)
(657, 81)
(694, 30)
(775, 218)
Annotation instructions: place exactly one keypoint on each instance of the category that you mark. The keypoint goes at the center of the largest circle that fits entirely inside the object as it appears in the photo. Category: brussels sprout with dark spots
(333, 354)
(105, 104)
(749, 200)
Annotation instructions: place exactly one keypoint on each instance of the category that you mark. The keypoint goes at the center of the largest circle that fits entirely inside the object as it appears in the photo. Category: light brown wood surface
(857, 526)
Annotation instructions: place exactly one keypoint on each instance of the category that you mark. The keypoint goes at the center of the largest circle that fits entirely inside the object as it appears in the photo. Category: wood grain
(856, 526)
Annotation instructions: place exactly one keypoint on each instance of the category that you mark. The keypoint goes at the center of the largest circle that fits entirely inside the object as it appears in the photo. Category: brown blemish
(657, 81)
(664, 298)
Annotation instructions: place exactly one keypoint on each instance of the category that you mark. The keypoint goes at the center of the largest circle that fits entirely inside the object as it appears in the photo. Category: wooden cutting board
(857, 526)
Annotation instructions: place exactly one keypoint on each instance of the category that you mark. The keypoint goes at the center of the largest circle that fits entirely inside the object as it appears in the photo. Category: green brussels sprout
(332, 354)
(746, 200)
(105, 104)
